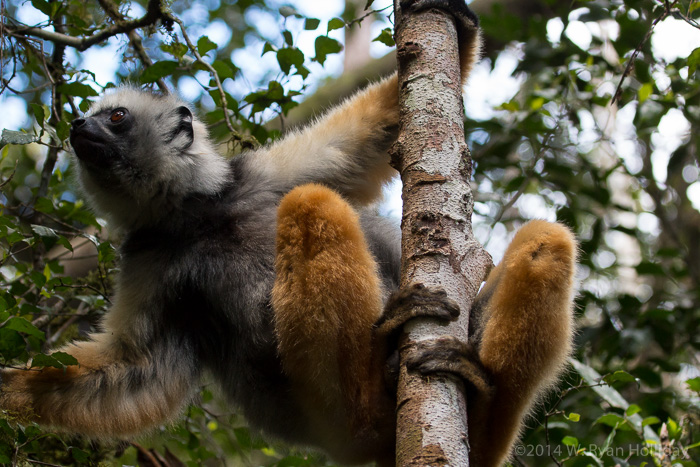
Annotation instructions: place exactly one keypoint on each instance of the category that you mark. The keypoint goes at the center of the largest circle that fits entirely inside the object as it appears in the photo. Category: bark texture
(438, 247)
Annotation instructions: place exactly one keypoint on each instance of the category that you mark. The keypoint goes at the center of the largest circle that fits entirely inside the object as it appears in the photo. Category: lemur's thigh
(326, 298)
(525, 329)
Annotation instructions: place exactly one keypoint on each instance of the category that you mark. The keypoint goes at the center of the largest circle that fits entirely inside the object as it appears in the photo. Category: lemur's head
(141, 153)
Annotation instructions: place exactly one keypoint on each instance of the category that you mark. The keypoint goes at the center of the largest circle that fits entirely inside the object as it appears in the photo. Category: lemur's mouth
(89, 150)
(85, 147)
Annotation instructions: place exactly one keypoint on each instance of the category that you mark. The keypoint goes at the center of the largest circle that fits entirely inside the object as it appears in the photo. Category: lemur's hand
(416, 300)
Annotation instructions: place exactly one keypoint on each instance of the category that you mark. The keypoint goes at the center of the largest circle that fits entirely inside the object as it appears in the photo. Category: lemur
(269, 272)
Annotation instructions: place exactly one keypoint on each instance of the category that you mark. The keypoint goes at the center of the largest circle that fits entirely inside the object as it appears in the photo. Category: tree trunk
(438, 247)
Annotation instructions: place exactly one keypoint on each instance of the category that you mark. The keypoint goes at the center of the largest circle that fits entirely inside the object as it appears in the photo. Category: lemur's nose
(77, 123)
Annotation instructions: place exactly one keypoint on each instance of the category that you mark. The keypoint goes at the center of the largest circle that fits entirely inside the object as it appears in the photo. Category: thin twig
(212, 71)
(32, 461)
(9, 179)
(84, 286)
(630, 62)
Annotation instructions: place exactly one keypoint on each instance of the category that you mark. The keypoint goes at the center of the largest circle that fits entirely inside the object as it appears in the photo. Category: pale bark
(438, 247)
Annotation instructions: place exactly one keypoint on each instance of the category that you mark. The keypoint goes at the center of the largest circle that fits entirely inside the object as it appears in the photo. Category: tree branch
(438, 246)
(153, 14)
(113, 11)
(56, 71)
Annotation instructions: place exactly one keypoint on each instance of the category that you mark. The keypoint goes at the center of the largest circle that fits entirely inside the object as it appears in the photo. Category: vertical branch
(55, 75)
(56, 72)
(438, 247)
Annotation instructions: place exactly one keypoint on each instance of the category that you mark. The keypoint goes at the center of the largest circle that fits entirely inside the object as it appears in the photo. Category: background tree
(623, 173)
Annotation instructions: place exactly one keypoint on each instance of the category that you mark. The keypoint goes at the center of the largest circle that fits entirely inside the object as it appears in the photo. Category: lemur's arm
(120, 387)
(347, 148)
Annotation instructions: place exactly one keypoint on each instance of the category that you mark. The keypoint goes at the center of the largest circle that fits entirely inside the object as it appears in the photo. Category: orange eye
(117, 115)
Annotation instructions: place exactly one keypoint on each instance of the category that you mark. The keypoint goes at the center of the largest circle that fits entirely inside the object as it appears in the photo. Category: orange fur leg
(102, 397)
(526, 333)
(326, 298)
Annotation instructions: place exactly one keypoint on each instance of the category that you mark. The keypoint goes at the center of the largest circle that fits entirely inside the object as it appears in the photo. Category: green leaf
(619, 376)
(6, 452)
(43, 231)
(335, 23)
(204, 45)
(176, 49)
(243, 437)
(56, 360)
(39, 112)
(12, 344)
(225, 69)
(645, 91)
(43, 6)
(289, 56)
(24, 326)
(324, 45)
(77, 89)
(42, 360)
(649, 268)
(693, 59)
(574, 417)
(158, 70)
(65, 243)
(288, 39)
(287, 11)
(650, 421)
(537, 103)
(386, 37)
(632, 409)
(263, 99)
(44, 205)
(694, 384)
(80, 456)
(611, 419)
(6, 428)
(611, 396)
(511, 106)
(16, 137)
(64, 358)
(268, 48)
(311, 24)
(514, 184)
(569, 441)
(63, 129)
(674, 430)
(105, 252)
(38, 279)
(616, 421)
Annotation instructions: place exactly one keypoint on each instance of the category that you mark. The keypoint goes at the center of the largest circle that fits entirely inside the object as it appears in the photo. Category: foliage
(563, 142)
(560, 143)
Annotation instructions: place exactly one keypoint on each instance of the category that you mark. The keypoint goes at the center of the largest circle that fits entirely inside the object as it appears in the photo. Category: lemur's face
(131, 134)
(102, 140)
(141, 151)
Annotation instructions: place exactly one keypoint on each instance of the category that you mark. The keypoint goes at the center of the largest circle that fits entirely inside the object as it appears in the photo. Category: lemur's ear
(184, 129)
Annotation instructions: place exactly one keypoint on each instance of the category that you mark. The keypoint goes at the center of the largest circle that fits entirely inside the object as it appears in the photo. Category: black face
(98, 140)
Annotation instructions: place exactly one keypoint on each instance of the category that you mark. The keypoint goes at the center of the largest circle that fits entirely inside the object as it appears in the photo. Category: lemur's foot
(416, 300)
(449, 355)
